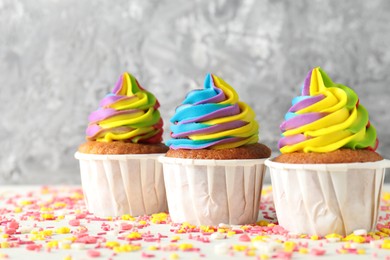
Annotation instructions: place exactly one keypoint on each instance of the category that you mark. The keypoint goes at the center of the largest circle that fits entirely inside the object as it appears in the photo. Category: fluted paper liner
(115, 185)
(210, 192)
(327, 198)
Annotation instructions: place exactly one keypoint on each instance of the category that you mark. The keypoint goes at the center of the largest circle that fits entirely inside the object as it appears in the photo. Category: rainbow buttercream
(326, 116)
(129, 114)
(213, 118)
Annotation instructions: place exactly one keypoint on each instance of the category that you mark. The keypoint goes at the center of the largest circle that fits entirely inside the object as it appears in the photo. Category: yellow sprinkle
(47, 216)
(245, 228)
(174, 256)
(45, 209)
(314, 237)
(289, 244)
(142, 222)
(68, 257)
(342, 251)
(185, 247)
(153, 248)
(221, 230)
(386, 195)
(18, 210)
(72, 239)
(5, 236)
(52, 244)
(159, 218)
(59, 205)
(386, 244)
(260, 238)
(239, 248)
(127, 217)
(175, 238)
(62, 230)
(355, 238)
(47, 232)
(77, 196)
(251, 253)
(111, 244)
(134, 235)
(65, 246)
(382, 234)
(263, 223)
(385, 230)
(334, 235)
(361, 251)
(4, 244)
(231, 233)
(264, 257)
(271, 225)
(303, 250)
(60, 217)
(126, 248)
(266, 190)
(25, 202)
(206, 229)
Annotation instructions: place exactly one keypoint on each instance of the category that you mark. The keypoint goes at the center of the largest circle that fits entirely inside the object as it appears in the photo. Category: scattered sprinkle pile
(54, 220)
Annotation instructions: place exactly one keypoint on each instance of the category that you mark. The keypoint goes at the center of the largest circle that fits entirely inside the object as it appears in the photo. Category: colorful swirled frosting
(213, 118)
(129, 114)
(326, 116)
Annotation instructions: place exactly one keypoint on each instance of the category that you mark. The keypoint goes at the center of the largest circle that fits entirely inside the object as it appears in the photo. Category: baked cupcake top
(128, 114)
(326, 117)
(213, 118)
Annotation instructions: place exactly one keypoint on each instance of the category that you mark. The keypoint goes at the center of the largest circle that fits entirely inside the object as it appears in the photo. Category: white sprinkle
(222, 225)
(267, 247)
(217, 235)
(25, 229)
(77, 246)
(70, 217)
(357, 246)
(113, 232)
(221, 249)
(333, 239)
(360, 232)
(376, 243)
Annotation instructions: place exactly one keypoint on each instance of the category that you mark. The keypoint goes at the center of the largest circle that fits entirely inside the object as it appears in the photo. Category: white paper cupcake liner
(210, 192)
(327, 198)
(115, 185)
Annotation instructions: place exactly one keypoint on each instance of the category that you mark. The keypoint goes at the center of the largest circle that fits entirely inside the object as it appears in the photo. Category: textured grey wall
(58, 58)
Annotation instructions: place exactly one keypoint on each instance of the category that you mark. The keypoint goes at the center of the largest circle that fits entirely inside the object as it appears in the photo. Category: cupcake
(214, 167)
(328, 178)
(120, 173)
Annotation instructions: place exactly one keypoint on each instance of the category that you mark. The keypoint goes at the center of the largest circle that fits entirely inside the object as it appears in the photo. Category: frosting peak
(213, 118)
(325, 117)
(129, 114)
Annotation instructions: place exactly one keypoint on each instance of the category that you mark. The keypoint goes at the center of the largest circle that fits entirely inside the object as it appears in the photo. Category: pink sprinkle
(244, 238)
(145, 255)
(10, 231)
(317, 251)
(74, 222)
(375, 254)
(238, 231)
(126, 226)
(93, 253)
(13, 225)
(81, 215)
(33, 247)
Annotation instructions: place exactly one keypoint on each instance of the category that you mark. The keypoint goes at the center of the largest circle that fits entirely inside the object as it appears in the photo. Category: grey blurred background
(59, 58)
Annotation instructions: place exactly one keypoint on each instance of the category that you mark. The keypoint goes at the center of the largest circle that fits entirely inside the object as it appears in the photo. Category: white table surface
(55, 200)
